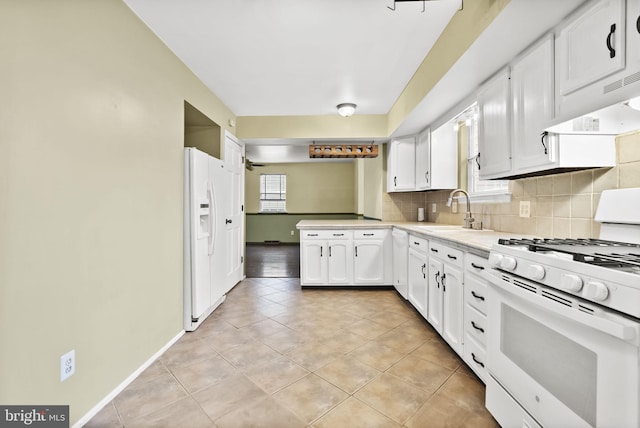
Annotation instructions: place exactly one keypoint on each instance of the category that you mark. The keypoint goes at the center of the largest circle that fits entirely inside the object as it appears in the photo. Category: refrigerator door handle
(212, 220)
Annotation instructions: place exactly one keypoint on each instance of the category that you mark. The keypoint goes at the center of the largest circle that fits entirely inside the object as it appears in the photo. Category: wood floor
(272, 261)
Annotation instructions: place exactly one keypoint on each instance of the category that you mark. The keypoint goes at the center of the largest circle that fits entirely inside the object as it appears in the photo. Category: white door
(417, 281)
(533, 106)
(234, 221)
(436, 272)
(401, 174)
(592, 46)
(220, 192)
(368, 261)
(340, 262)
(452, 307)
(200, 224)
(313, 264)
(494, 121)
(423, 160)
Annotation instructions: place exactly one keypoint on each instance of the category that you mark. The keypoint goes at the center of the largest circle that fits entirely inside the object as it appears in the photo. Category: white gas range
(564, 325)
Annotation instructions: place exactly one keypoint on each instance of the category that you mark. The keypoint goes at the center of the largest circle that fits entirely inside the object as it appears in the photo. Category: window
(477, 188)
(273, 193)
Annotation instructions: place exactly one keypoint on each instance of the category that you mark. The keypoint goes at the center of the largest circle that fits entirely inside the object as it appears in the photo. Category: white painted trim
(106, 400)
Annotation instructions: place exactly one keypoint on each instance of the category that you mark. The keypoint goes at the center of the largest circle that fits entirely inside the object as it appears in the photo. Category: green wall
(278, 227)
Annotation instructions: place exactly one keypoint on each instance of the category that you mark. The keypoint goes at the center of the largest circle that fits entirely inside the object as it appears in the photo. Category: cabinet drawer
(418, 243)
(476, 292)
(476, 357)
(326, 234)
(370, 234)
(447, 254)
(475, 264)
(475, 324)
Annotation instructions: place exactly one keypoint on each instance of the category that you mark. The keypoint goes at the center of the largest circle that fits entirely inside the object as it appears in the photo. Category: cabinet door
(436, 272)
(452, 324)
(592, 46)
(494, 122)
(313, 263)
(401, 165)
(340, 264)
(368, 262)
(423, 160)
(533, 106)
(417, 281)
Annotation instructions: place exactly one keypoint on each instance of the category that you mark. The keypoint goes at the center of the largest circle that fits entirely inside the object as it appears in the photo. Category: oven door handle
(611, 327)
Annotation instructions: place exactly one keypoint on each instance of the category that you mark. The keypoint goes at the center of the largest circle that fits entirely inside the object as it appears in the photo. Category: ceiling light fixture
(346, 109)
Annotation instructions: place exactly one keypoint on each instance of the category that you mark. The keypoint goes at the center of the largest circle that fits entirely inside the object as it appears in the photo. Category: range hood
(613, 120)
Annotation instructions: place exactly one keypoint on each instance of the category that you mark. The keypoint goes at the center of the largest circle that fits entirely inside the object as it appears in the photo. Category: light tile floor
(276, 355)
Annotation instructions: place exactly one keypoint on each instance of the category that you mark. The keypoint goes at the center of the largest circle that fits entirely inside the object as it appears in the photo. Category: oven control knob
(495, 259)
(536, 272)
(508, 263)
(596, 290)
(571, 282)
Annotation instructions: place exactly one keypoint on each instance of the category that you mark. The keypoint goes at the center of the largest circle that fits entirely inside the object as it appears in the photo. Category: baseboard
(106, 400)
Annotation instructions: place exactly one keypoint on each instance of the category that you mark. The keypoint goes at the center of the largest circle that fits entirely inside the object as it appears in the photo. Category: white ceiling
(303, 57)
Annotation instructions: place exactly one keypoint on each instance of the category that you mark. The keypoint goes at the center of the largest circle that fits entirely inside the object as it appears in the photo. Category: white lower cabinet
(417, 284)
(326, 257)
(371, 256)
(346, 257)
(445, 311)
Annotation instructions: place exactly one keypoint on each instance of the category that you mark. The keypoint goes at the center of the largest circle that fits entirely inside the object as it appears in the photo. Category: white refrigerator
(206, 188)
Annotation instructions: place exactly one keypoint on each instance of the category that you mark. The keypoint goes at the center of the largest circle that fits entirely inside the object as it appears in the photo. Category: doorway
(272, 260)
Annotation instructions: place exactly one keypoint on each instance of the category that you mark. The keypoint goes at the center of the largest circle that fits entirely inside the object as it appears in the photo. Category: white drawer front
(476, 292)
(475, 264)
(476, 357)
(475, 324)
(370, 234)
(447, 254)
(418, 243)
(326, 234)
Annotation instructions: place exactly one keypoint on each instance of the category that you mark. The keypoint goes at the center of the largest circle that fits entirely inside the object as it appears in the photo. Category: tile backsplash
(561, 205)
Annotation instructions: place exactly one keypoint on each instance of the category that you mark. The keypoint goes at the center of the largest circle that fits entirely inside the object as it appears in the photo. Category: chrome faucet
(468, 220)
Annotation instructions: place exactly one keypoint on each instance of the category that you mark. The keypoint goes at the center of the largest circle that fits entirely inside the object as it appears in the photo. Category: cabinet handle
(480, 329)
(444, 286)
(434, 250)
(452, 257)
(438, 278)
(321, 248)
(426, 176)
(228, 221)
(542, 137)
(395, 181)
(424, 275)
(638, 24)
(329, 251)
(368, 234)
(473, 265)
(477, 296)
(478, 362)
(312, 234)
(416, 243)
(478, 160)
(338, 234)
(356, 251)
(612, 51)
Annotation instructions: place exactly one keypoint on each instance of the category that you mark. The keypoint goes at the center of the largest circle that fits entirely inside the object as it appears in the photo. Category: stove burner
(609, 254)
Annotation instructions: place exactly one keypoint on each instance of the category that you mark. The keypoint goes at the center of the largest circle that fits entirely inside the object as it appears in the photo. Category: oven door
(564, 366)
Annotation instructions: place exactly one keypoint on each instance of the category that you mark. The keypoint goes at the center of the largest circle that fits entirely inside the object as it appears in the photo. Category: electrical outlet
(525, 209)
(292, 233)
(454, 207)
(433, 208)
(67, 365)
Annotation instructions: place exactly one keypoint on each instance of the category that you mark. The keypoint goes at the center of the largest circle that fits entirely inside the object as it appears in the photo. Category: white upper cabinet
(592, 45)
(401, 173)
(533, 106)
(423, 160)
(494, 109)
(442, 154)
